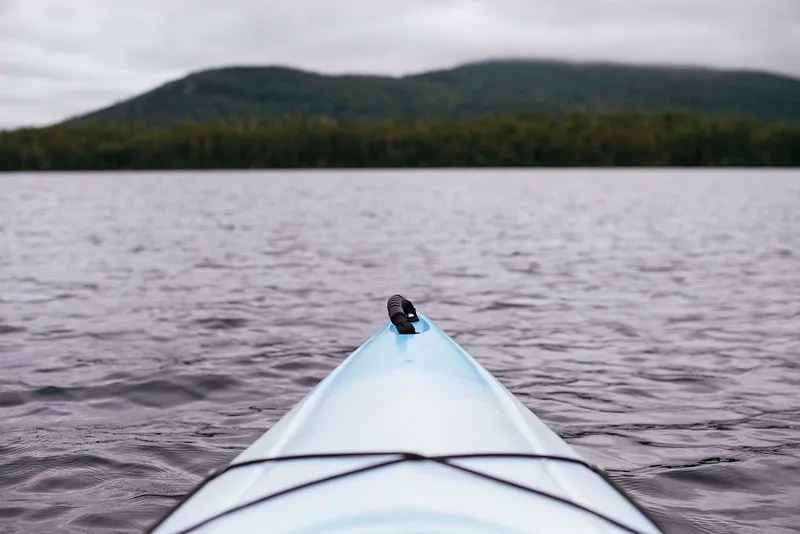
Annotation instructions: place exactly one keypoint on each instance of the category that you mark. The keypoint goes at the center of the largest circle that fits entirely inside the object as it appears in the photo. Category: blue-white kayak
(423, 401)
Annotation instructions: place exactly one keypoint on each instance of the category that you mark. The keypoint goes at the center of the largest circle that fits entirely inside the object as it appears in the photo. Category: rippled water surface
(153, 325)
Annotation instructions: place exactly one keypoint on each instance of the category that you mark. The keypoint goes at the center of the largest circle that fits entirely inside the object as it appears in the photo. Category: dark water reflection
(151, 326)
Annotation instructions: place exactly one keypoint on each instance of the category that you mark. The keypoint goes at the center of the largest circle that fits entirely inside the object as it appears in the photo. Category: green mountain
(472, 89)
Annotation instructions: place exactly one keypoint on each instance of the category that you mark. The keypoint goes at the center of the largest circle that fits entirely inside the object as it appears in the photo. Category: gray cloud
(58, 59)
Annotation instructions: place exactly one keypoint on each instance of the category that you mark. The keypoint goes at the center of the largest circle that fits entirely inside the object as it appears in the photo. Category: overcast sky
(60, 57)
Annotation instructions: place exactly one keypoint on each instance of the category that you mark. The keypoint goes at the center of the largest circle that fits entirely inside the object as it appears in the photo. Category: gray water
(153, 325)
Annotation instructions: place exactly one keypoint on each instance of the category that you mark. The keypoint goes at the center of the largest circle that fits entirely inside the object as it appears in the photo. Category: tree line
(518, 140)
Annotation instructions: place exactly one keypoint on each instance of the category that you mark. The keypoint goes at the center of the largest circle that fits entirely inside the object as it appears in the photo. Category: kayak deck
(421, 394)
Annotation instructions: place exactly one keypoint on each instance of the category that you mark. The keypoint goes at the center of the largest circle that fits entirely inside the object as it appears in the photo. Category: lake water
(153, 325)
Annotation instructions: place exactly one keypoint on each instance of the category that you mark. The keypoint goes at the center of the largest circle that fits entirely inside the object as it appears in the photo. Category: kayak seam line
(503, 402)
(506, 402)
(311, 400)
(512, 408)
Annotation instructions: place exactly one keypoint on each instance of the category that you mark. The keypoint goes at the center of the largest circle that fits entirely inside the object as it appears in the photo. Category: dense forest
(523, 139)
(462, 92)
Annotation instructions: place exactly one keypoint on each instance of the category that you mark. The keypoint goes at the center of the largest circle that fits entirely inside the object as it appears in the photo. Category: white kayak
(408, 434)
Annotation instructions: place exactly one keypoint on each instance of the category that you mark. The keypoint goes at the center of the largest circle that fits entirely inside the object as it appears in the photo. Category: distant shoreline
(527, 140)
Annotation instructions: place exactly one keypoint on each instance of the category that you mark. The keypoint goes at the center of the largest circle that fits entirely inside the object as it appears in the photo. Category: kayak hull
(420, 394)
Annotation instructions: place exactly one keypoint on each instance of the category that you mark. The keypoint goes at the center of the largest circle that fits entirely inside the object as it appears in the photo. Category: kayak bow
(408, 434)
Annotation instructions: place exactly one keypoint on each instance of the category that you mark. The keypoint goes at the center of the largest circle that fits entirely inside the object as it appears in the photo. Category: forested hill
(469, 90)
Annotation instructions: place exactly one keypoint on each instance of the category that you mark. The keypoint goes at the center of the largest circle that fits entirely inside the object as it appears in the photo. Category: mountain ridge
(488, 86)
